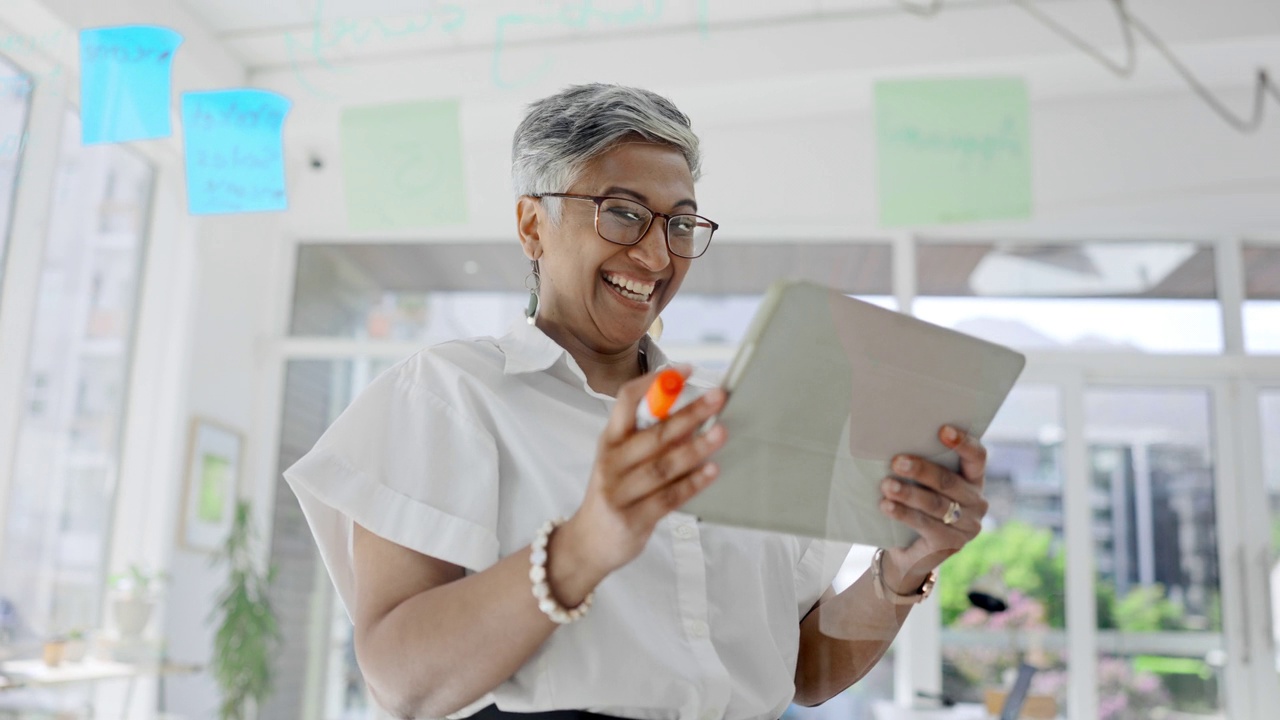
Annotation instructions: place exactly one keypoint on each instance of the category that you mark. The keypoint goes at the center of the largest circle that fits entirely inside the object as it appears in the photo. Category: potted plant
(133, 597)
(248, 635)
(77, 646)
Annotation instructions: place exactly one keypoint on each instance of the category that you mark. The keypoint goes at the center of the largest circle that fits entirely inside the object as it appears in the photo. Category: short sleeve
(407, 466)
(819, 564)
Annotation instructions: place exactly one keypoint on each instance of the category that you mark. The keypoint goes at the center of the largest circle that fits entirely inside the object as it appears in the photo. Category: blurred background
(1093, 182)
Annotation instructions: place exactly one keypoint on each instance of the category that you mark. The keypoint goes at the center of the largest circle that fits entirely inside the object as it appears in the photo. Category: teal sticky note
(233, 145)
(402, 165)
(953, 150)
(125, 83)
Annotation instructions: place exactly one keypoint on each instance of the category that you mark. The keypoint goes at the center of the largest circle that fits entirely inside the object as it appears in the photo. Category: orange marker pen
(665, 396)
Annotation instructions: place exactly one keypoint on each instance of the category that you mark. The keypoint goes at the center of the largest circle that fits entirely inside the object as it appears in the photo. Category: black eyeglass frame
(599, 201)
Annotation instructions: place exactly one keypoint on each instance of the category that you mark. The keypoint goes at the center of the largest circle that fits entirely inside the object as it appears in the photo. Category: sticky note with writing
(125, 83)
(953, 150)
(233, 145)
(402, 165)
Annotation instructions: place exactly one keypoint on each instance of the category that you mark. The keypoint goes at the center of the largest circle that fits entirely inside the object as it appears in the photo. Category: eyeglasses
(625, 222)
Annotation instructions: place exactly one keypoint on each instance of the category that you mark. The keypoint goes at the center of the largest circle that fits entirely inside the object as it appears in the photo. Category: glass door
(1153, 491)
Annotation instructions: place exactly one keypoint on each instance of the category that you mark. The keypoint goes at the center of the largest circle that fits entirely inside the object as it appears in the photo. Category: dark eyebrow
(617, 189)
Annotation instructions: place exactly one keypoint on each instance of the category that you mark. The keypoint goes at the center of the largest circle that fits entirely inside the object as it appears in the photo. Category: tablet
(823, 392)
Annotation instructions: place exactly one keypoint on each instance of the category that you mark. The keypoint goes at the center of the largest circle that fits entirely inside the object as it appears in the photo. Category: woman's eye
(626, 215)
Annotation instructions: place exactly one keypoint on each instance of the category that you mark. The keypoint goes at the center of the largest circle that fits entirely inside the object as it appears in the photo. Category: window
(1262, 298)
(1020, 559)
(1156, 552)
(1158, 297)
(68, 445)
(15, 101)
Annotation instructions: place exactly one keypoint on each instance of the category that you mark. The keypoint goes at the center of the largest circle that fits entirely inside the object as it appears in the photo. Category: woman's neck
(606, 372)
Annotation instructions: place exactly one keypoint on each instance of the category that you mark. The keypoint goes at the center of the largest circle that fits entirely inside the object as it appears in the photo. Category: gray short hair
(561, 133)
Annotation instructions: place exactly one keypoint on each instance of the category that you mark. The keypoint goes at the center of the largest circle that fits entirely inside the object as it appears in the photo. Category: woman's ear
(528, 225)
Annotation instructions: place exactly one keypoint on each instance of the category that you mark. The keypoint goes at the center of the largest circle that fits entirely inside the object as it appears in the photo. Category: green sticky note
(402, 165)
(953, 150)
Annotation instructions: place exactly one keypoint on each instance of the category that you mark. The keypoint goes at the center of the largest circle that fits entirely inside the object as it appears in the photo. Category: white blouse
(464, 449)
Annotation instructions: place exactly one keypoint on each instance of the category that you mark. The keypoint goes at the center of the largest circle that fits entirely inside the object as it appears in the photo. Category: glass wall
(1004, 598)
(15, 103)
(1153, 528)
(68, 444)
(1158, 297)
(1155, 548)
(1262, 298)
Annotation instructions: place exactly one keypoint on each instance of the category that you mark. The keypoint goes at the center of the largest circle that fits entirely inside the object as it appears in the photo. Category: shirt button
(684, 532)
(698, 629)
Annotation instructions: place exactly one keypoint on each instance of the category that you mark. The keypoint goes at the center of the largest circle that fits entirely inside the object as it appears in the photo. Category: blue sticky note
(125, 82)
(234, 152)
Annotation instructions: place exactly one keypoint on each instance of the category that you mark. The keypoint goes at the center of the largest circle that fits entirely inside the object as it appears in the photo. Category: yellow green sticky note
(402, 165)
(953, 150)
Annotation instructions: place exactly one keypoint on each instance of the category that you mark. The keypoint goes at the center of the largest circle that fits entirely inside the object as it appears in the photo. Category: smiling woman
(439, 498)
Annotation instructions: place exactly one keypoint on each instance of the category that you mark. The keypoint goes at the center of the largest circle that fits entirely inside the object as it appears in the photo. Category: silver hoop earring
(531, 312)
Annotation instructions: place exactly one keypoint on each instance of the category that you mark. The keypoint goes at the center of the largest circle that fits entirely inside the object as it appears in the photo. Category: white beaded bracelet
(538, 574)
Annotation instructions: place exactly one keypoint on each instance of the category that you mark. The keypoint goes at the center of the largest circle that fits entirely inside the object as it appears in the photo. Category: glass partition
(15, 103)
(1262, 298)
(1158, 297)
(73, 405)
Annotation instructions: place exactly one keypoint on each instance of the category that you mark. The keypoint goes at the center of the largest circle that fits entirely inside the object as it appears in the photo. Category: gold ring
(952, 515)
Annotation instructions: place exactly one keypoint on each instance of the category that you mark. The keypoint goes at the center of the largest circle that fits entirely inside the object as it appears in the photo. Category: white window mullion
(1254, 510)
(1229, 270)
(1239, 633)
(1082, 611)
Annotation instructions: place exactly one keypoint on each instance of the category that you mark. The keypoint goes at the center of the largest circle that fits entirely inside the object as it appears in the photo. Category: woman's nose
(652, 248)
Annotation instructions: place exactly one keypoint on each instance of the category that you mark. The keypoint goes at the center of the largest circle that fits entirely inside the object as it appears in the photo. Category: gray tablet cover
(823, 392)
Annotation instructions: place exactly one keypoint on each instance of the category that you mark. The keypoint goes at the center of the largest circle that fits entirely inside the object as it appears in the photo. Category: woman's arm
(845, 635)
(431, 641)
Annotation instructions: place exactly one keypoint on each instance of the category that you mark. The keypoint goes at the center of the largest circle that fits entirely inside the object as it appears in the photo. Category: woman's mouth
(630, 289)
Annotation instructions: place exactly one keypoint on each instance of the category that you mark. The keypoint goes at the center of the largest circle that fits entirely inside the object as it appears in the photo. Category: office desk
(32, 674)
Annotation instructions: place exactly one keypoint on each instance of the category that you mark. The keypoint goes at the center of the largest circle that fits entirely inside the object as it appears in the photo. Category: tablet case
(823, 391)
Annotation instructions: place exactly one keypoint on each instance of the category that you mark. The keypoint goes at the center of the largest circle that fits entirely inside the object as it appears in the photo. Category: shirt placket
(691, 591)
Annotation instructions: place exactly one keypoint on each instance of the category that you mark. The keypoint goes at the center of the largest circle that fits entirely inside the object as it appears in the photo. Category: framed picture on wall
(211, 486)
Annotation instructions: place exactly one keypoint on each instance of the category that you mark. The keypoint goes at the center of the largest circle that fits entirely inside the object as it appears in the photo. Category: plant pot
(76, 650)
(54, 652)
(132, 615)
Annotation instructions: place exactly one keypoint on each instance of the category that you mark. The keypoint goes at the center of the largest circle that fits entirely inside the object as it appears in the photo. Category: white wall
(785, 117)
(228, 335)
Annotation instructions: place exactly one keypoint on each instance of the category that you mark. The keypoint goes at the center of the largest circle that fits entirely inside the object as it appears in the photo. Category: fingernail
(886, 506)
(903, 464)
(892, 487)
(949, 434)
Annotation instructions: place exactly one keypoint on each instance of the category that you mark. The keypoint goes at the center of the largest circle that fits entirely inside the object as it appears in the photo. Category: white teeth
(633, 289)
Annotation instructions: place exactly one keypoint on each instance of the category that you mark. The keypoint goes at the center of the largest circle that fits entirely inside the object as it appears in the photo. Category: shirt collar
(528, 349)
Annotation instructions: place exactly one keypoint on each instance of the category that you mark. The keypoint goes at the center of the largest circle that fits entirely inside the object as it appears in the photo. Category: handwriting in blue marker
(125, 80)
(574, 14)
(234, 151)
(326, 36)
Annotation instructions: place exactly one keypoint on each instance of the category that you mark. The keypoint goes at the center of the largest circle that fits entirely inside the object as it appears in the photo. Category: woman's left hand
(925, 505)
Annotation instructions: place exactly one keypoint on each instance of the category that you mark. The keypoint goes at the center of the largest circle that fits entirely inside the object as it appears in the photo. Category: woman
(433, 497)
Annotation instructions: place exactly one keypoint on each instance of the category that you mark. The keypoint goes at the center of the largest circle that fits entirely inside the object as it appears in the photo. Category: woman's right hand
(640, 476)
